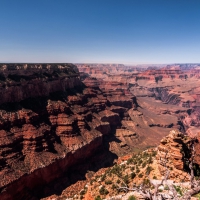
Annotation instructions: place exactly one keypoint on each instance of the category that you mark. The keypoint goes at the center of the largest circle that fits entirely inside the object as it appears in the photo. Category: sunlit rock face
(166, 96)
(53, 119)
(50, 121)
(175, 153)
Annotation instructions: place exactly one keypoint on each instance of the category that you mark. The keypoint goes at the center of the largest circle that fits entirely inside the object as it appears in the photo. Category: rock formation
(51, 122)
(155, 117)
(53, 119)
(174, 153)
(22, 81)
(171, 154)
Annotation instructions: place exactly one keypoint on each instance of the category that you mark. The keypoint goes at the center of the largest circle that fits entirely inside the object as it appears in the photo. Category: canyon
(59, 121)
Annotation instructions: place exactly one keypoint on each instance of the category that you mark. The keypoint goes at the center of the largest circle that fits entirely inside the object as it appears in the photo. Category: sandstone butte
(54, 119)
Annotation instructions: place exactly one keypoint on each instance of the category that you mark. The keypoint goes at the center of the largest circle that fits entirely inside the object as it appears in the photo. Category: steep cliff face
(176, 85)
(22, 81)
(33, 111)
(174, 152)
(51, 122)
(148, 115)
(185, 97)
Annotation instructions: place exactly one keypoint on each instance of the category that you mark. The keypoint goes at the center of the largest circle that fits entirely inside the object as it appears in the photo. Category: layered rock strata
(149, 117)
(22, 81)
(52, 122)
(174, 154)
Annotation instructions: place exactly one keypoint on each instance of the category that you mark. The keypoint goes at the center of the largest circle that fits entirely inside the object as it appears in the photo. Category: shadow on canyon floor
(100, 159)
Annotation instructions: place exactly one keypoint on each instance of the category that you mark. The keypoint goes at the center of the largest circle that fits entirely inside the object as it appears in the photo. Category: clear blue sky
(106, 31)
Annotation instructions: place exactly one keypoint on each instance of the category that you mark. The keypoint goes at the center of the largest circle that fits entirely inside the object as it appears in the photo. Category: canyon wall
(53, 118)
(50, 122)
(22, 81)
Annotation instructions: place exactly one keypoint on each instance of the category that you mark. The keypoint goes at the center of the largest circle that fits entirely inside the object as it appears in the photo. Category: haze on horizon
(106, 31)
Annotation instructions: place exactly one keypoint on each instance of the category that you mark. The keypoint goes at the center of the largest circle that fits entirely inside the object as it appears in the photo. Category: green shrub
(109, 174)
(145, 154)
(116, 170)
(103, 191)
(147, 182)
(123, 166)
(131, 197)
(150, 160)
(140, 175)
(144, 164)
(140, 162)
(133, 175)
(154, 153)
(178, 189)
(118, 181)
(148, 170)
(130, 160)
(166, 187)
(125, 179)
(98, 198)
(103, 177)
(108, 182)
(82, 192)
(132, 168)
(137, 171)
(114, 186)
(198, 196)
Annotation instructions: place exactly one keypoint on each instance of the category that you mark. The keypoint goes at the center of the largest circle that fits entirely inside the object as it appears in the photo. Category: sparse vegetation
(103, 191)
(108, 182)
(118, 181)
(178, 189)
(125, 179)
(133, 175)
(140, 175)
(132, 197)
(82, 192)
(198, 196)
(121, 175)
(148, 170)
(98, 198)
(137, 171)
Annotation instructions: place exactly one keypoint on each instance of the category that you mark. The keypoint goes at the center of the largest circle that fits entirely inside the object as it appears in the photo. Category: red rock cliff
(22, 81)
(49, 121)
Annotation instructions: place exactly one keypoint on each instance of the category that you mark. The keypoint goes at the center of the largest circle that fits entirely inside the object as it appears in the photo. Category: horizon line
(98, 63)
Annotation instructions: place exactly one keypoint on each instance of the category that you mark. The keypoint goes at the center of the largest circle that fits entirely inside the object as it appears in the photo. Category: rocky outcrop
(174, 153)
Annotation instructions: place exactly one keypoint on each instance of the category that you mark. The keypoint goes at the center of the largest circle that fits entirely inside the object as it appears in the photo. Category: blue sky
(100, 31)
